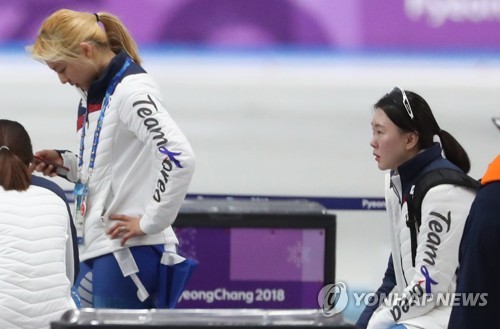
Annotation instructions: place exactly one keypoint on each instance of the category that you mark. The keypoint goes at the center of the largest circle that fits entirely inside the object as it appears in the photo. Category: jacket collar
(97, 88)
(413, 168)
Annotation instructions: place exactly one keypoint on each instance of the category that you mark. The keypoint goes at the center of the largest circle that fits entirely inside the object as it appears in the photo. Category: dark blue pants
(101, 283)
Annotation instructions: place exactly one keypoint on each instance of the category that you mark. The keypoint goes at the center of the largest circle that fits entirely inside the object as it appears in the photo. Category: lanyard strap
(111, 88)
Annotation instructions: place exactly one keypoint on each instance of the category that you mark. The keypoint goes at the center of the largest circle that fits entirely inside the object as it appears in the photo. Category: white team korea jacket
(131, 176)
(415, 301)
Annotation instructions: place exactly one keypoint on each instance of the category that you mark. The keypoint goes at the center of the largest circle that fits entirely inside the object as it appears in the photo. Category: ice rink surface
(285, 125)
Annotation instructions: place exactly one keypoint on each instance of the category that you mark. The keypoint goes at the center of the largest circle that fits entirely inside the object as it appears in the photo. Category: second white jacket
(36, 258)
(444, 212)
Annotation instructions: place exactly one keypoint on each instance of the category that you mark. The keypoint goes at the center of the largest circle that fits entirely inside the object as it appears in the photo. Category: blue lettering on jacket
(171, 155)
(428, 280)
(145, 109)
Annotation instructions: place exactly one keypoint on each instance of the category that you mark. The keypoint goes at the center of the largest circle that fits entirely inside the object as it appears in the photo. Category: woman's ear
(87, 49)
(412, 140)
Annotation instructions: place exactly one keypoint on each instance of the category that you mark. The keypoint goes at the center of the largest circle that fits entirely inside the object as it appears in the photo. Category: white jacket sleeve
(444, 212)
(70, 160)
(171, 156)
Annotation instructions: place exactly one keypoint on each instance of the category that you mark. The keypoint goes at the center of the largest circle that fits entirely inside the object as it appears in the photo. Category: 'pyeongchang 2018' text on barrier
(222, 295)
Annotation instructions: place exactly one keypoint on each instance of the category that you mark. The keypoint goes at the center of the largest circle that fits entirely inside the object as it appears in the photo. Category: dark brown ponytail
(16, 153)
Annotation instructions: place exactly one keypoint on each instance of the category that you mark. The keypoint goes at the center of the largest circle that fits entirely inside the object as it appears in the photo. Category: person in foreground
(37, 256)
(132, 168)
(479, 266)
(408, 142)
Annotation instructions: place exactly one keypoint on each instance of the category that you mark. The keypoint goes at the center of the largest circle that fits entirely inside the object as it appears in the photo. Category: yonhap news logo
(334, 298)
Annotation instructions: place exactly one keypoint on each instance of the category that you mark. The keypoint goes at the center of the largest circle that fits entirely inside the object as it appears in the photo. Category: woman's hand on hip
(124, 228)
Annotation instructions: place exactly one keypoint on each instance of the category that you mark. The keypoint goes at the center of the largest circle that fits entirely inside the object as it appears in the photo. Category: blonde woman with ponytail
(132, 165)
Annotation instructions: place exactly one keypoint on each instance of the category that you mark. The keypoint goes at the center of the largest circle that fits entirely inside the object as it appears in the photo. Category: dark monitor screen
(257, 260)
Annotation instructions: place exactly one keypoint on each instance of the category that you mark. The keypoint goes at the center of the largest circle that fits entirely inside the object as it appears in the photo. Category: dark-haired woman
(38, 255)
(408, 142)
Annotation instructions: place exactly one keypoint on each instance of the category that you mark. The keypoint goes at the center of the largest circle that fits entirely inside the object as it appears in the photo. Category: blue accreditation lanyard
(111, 88)
(81, 188)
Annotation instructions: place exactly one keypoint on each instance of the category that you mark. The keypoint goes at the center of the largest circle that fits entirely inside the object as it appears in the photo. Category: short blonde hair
(61, 34)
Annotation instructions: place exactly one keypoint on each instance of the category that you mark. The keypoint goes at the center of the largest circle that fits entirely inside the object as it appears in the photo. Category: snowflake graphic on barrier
(298, 254)
(187, 238)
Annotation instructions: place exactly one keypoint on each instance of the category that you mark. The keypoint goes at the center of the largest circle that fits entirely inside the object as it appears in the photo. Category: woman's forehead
(55, 64)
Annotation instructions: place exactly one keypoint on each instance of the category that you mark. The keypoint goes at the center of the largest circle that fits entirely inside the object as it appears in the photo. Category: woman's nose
(63, 78)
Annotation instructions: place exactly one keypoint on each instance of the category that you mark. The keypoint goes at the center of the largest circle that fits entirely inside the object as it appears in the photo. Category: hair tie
(97, 17)
(436, 138)
(4, 147)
